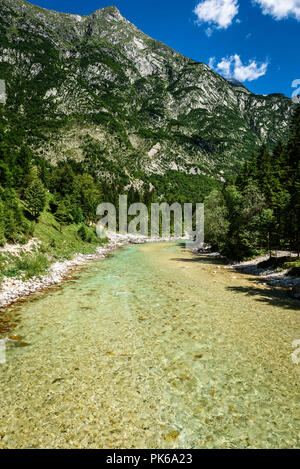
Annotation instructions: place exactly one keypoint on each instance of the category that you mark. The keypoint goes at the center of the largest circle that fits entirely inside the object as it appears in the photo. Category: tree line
(69, 189)
(29, 184)
(260, 209)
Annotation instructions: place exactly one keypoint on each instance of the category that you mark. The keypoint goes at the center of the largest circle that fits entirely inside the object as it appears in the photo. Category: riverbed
(153, 347)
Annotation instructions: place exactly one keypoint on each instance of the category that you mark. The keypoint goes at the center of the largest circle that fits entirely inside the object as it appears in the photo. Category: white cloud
(218, 13)
(233, 67)
(212, 62)
(280, 9)
(224, 67)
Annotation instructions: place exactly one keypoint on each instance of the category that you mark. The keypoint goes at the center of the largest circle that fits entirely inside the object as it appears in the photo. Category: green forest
(70, 191)
(258, 210)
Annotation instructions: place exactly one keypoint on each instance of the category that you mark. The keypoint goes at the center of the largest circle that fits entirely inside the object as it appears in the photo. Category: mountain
(234, 82)
(97, 87)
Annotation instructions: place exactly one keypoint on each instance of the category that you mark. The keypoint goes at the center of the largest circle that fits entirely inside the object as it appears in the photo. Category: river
(153, 347)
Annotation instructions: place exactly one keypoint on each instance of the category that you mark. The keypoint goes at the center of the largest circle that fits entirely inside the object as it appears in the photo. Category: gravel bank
(269, 276)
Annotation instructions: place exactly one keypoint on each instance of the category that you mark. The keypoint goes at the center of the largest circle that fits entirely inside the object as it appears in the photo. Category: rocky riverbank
(269, 276)
(14, 289)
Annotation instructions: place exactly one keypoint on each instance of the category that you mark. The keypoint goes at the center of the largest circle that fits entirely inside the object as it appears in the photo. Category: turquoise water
(153, 348)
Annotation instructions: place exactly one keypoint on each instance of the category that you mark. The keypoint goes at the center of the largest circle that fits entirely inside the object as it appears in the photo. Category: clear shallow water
(152, 349)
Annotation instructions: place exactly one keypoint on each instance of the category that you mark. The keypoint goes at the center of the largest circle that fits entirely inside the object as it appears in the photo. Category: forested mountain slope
(96, 88)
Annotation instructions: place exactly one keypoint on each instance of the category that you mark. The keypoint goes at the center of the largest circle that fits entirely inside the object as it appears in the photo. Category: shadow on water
(272, 296)
(201, 258)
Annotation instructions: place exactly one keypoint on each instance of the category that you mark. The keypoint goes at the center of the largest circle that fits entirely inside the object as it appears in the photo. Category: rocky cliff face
(81, 82)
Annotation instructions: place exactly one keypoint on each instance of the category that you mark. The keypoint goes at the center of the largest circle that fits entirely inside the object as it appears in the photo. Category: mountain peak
(130, 95)
(110, 13)
(236, 83)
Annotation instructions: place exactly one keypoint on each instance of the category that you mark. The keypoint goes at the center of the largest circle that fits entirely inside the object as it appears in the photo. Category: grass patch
(33, 265)
(64, 241)
(27, 266)
(58, 242)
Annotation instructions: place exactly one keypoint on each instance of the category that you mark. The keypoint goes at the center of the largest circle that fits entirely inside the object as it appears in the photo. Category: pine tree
(216, 220)
(87, 195)
(35, 198)
(293, 159)
(10, 226)
(22, 168)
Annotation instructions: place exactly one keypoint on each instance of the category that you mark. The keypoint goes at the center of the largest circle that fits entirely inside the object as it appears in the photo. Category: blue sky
(255, 41)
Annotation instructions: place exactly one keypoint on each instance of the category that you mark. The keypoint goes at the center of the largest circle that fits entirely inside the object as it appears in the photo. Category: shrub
(33, 265)
(84, 234)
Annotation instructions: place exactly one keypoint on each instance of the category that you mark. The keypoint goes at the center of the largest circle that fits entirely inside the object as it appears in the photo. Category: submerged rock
(172, 436)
